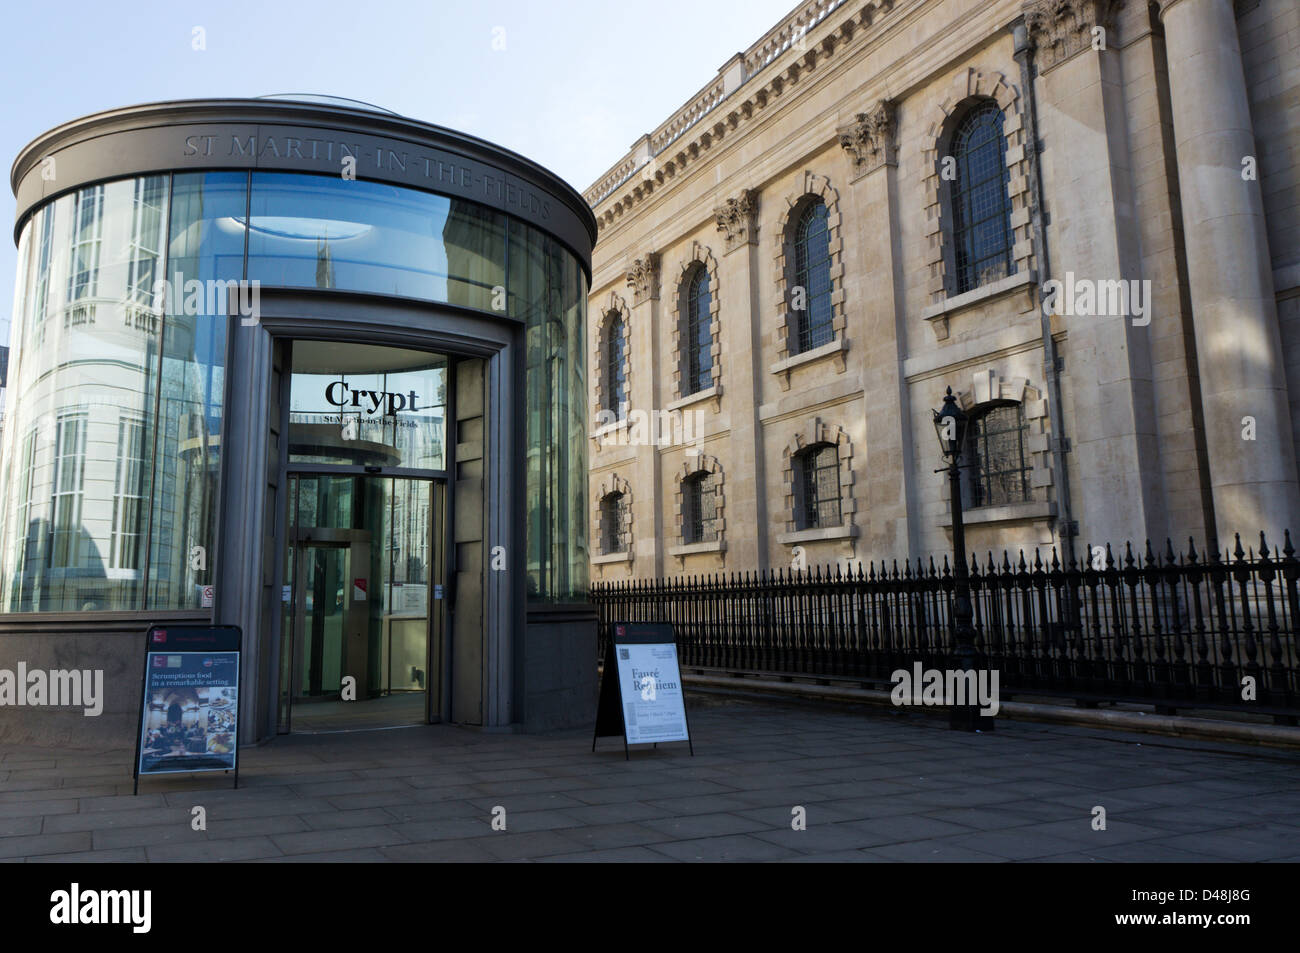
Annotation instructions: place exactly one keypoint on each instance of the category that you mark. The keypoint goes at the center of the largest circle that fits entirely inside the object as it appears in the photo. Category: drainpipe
(1067, 529)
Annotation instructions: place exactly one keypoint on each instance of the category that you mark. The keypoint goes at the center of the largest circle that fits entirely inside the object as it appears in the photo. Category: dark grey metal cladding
(275, 135)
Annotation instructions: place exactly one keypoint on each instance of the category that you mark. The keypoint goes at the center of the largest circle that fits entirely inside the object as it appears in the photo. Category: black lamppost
(951, 425)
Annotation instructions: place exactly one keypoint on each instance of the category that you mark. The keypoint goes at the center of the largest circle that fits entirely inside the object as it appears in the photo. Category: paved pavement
(875, 787)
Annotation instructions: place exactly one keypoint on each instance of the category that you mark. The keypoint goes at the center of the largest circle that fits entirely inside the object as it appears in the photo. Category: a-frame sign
(641, 694)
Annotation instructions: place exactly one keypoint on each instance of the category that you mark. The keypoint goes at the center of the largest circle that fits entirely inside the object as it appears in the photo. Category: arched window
(817, 499)
(998, 467)
(699, 508)
(697, 333)
(812, 274)
(613, 513)
(615, 383)
(981, 211)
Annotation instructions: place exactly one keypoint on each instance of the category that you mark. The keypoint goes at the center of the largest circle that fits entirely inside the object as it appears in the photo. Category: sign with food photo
(190, 712)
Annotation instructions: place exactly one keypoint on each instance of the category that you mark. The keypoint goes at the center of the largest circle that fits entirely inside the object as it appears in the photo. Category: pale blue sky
(577, 82)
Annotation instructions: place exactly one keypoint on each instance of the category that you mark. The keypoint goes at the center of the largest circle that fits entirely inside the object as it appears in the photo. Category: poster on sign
(189, 715)
(641, 695)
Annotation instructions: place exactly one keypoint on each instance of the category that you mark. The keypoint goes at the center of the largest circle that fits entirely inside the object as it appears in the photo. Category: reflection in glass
(204, 247)
(81, 400)
(549, 292)
(312, 231)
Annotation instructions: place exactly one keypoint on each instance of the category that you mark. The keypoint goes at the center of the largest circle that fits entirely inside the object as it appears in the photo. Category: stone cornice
(870, 138)
(1062, 28)
(778, 76)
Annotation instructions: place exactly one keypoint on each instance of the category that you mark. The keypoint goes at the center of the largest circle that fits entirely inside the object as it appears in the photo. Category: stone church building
(1083, 216)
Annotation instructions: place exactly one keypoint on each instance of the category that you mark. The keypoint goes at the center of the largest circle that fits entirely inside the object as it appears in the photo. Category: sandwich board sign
(641, 695)
(189, 715)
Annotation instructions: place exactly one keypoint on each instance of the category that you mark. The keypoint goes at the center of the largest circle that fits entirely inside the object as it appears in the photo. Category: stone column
(1238, 345)
(890, 492)
(740, 331)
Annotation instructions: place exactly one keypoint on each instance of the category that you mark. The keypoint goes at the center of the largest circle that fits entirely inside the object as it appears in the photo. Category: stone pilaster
(741, 342)
(1115, 456)
(870, 141)
(1234, 308)
(647, 392)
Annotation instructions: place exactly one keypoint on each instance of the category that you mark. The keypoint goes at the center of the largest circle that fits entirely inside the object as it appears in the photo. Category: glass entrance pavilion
(310, 369)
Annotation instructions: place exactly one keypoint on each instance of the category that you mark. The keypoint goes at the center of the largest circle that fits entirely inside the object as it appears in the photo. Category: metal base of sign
(136, 789)
(626, 756)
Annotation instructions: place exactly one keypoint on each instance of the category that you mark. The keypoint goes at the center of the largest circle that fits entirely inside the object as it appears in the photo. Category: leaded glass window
(697, 339)
(812, 279)
(700, 508)
(613, 512)
(819, 469)
(981, 211)
(998, 471)
(615, 355)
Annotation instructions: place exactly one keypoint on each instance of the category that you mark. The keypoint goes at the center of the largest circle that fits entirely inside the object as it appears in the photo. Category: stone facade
(1149, 144)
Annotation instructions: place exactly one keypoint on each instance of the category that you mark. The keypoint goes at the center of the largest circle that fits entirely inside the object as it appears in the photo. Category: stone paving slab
(873, 787)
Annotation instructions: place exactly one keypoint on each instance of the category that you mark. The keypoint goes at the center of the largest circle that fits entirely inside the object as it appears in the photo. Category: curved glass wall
(83, 402)
(112, 446)
(549, 290)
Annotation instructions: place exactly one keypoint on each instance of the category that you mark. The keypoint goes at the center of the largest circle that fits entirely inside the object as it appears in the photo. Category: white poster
(651, 686)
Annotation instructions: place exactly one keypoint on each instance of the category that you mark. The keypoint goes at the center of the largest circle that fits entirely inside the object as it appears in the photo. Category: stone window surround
(818, 432)
(615, 305)
(987, 387)
(701, 257)
(814, 187)
(969, 87)
(938, 315)
(613, 483)
(693, 465)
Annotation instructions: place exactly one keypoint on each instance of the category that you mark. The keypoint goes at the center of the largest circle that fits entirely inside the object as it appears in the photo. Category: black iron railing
(1174, 630)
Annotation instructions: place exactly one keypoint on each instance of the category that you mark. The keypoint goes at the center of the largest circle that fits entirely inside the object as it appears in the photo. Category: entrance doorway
(363, 626)
(362, 602)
